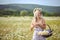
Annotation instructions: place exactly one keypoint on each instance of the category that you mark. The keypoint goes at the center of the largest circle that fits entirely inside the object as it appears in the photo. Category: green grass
(17, 28)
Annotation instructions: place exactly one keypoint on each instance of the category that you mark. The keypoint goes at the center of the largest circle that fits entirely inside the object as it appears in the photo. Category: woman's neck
(38, 18)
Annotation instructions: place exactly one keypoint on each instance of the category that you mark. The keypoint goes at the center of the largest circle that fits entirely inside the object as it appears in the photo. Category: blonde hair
(40, 9)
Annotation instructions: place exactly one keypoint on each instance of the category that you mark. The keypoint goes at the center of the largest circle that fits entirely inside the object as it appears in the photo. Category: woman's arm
(31, 28)
(42, 24)
(32, 25)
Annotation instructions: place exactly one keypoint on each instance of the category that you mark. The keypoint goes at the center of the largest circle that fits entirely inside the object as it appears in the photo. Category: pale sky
(40, 2)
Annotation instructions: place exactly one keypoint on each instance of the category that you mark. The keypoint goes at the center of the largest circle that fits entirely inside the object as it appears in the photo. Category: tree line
(25, 13)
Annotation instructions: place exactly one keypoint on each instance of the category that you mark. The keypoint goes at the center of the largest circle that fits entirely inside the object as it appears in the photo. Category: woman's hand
(35, 24)
(42, 24)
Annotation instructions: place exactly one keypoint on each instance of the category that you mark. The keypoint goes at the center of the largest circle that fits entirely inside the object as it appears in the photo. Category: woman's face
(37, 13)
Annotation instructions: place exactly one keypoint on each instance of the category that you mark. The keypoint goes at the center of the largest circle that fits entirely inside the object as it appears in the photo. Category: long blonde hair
(35, 16)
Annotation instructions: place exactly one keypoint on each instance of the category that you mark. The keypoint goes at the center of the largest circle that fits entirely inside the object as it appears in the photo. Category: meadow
(18, 28)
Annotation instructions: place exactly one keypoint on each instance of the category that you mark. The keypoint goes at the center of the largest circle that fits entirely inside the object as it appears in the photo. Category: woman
(38, 23)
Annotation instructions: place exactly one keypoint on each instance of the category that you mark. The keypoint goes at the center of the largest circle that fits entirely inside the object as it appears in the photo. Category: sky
(40, 2)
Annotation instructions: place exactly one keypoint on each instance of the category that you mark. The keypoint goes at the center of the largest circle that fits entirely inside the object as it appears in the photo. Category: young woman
(38, 23)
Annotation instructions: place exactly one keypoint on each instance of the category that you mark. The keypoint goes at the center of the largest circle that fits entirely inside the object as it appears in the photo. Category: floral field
(18, 28)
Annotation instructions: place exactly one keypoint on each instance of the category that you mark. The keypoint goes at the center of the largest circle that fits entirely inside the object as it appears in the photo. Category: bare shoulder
(42, 18)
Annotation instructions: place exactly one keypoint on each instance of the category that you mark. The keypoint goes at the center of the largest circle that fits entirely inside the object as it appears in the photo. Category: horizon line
(25, 3)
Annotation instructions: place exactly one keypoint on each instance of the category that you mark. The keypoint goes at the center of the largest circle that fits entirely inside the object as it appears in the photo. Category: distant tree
(52, 14)
(57, 14)
(24, 13)
(45, 13)
(30, 13)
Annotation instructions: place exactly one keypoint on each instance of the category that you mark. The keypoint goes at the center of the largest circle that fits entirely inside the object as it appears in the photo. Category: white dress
(36, 36)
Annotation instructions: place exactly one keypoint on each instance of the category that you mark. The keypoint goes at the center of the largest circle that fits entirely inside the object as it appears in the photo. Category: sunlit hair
(40, 9)
(35, 15)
